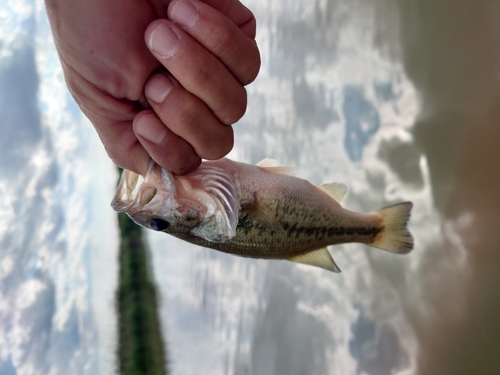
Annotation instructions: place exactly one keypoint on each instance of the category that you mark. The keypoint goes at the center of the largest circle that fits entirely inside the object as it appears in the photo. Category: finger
(112, 119)
(188, 117)
(239, 14)
(165, 147)
(123, 147)
(197, 70)
(219, 35)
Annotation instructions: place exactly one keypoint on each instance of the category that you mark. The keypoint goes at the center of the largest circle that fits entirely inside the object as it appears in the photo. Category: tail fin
(395, 237)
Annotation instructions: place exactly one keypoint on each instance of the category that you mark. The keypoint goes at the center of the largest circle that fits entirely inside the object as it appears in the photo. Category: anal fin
(317, 258)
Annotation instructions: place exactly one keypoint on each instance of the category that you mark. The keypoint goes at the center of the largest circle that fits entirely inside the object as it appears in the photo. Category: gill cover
(216, 190)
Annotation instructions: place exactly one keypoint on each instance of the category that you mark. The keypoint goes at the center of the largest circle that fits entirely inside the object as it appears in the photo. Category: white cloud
(47, 316)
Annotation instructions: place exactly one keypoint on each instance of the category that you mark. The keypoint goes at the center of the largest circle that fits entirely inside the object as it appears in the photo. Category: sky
(329, 101)
(395, 100)
(55, 298)
(380, 95)
(222, 314)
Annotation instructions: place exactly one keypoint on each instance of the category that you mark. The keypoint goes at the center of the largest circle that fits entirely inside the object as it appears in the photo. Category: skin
(154, 82)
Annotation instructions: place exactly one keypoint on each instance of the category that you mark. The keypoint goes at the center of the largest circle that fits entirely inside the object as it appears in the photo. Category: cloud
(20, 126)
(324, 101)
(47, 322)
(376, 347)
(286, 338)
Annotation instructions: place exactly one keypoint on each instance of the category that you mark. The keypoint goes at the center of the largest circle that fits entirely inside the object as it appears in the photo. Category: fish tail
(395, 236)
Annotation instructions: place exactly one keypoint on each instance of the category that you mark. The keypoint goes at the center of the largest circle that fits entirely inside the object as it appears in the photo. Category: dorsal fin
(318, 258)
(336, 190)
(264, 216)
(266, 163)
(272, 166)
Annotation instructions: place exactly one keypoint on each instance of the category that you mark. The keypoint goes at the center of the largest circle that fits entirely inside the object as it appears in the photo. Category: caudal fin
(395, 236)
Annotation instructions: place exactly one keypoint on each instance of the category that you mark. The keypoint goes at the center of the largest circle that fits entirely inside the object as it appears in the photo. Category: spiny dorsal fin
(336, 190)
(318, 258)
(266, 163)
(264, 216)
(272, 166)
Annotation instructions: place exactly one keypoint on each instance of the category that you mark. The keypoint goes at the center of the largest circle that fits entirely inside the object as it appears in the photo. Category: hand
(116, 53)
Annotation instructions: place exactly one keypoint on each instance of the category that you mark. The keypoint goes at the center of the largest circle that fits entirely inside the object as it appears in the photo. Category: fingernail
(185, 14)
(151, 128)
(164, 40)
(158, 87)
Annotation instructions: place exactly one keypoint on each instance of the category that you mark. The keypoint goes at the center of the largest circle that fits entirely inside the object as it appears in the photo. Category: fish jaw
(203, 203)
(152, 201)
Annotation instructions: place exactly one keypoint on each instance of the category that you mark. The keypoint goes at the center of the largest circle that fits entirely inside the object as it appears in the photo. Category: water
(398, 100)
(58, 246)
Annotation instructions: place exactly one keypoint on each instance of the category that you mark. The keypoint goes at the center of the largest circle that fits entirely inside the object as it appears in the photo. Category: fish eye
(158, 224)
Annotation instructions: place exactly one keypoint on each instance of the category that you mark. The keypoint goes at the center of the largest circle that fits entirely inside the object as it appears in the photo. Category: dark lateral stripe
(296, 230)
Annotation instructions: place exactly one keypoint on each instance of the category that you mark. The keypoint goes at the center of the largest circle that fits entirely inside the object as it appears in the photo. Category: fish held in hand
(257, 211)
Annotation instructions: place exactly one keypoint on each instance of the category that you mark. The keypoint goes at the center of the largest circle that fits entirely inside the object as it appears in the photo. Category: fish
(258, 211)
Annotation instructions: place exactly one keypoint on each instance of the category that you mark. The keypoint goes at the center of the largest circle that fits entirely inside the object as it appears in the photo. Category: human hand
(186, 113)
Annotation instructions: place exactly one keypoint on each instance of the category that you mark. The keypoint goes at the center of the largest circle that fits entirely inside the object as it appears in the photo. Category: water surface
(400, 101)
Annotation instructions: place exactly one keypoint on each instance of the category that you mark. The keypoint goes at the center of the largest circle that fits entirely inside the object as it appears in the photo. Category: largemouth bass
(257, 211)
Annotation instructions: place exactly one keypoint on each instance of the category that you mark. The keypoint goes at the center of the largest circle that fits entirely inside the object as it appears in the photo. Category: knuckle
(189, 110)
(251, 68)
(220, 147)
(236, 108)
(250, 27)
(243, 62)
(120, 159)
(201, 75)
(222, 43)
(180, 160)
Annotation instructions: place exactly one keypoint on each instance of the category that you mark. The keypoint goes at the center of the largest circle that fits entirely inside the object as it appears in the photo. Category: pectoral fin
(264, 216)
(318, 258)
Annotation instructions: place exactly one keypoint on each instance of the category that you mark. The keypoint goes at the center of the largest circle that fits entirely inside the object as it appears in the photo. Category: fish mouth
(127, 191)
(135, 191)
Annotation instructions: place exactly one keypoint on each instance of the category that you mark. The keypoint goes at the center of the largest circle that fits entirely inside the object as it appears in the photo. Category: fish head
(180, 205)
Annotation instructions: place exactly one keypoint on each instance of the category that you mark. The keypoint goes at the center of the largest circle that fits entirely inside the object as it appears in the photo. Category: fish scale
(279, 216)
